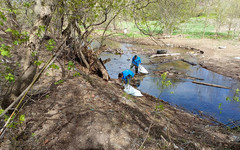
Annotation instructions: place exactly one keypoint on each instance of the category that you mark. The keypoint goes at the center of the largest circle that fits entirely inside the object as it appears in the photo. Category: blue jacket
(136, 61)
(126, 73)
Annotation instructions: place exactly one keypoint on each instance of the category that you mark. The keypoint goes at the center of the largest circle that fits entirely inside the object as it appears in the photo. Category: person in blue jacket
(126, 76)
(136, 60)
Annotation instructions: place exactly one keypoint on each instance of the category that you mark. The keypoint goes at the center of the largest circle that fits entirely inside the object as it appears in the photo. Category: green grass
(129, 34)
(193, 28)
(153, 28)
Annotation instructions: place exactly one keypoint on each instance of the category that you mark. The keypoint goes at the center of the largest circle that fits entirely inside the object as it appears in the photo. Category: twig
(165, 141)
(146, 136)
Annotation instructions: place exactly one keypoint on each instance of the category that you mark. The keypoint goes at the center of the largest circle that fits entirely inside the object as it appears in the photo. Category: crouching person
(136, 60)
(126, 76)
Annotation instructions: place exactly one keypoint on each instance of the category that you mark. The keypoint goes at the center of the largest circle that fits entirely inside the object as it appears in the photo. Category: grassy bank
(196, 28)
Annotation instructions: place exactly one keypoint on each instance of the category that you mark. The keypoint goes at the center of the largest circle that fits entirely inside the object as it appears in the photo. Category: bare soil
(87, 112)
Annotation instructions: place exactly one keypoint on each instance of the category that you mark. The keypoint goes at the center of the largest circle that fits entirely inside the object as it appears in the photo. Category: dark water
(183, 92)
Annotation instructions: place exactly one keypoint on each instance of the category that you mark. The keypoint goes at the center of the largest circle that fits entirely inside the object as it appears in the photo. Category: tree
(163, 16)
(53, 21)
(220, 11)
(27, 61)
(232, 15)
(205, 8)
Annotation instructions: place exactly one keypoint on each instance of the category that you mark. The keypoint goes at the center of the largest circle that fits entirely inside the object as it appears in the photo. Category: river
(183, 93)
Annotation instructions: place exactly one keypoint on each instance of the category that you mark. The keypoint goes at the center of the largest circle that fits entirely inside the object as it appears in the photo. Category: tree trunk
(229, 27)
(88, 58)
(96, 65)
(34, 45)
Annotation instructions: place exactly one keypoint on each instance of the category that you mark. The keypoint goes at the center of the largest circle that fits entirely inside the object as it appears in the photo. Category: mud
(212, 56)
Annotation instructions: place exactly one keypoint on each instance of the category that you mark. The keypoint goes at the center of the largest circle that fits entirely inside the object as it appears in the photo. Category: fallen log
(208, 84)
(194, 78)
(106, 60)
(164, 55)
(103, 69)
(190, 63)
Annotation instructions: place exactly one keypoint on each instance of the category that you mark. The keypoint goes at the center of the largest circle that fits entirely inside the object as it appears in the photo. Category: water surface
(183, 93)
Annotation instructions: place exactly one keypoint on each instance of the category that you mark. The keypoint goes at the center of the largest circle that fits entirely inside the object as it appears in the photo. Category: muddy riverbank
(220, 56)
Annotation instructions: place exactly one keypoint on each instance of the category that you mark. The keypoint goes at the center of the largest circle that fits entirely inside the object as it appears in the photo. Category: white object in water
(131, 90)
(141, 69)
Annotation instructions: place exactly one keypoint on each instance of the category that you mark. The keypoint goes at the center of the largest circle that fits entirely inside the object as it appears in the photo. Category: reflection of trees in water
(176, 65)
(214, 94)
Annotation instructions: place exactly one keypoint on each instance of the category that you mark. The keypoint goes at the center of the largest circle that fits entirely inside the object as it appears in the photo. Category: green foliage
(220, 107)
(14, 11)
(54, 66)
(76, 74)
(165, 83)
(228, 99)
(1, 111)
(47, 96)
(33, 134)
(199, 27)
(3, 18)
(8, 69)
(34, 54)
(27, 4)
(51, 44)
(236, 97)
(70, 65)
(159, 107)
(19, 37)
(59, 82)
(38, 62)
(195, 28)
(21, 119)
(164, 76)
(237, 91)
(166, 16)
(10, 77)
(41, 30)
(127, 95)
(133, 31)
(5, 50)
(13, 124)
